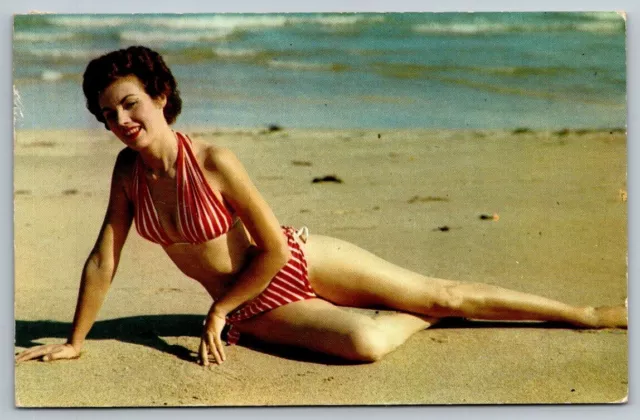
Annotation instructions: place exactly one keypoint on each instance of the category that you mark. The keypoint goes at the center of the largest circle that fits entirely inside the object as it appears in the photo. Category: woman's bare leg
(347, 275)
(318, 325)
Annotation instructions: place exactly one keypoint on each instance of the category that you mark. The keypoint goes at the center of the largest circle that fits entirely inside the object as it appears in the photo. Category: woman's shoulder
(213, 158)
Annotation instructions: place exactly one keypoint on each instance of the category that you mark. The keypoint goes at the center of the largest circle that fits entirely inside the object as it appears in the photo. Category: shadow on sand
(149, 330)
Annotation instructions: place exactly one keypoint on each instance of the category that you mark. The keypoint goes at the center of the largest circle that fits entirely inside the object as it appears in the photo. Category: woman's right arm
(98, 271)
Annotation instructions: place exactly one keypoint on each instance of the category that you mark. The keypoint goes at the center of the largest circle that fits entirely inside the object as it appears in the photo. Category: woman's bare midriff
(215, 264)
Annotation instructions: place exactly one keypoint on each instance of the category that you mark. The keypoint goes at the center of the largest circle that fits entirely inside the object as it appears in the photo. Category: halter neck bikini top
(201, 215)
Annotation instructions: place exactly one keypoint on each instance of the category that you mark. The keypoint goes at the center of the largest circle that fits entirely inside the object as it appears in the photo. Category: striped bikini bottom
(291, 284)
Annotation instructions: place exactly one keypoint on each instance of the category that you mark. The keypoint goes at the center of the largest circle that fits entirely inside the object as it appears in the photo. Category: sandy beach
(414, 197)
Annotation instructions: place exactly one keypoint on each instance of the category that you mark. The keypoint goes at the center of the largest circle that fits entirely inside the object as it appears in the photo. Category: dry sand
(561, 232)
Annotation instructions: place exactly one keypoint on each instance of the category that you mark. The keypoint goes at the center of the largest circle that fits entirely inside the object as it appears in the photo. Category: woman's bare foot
(611, 317)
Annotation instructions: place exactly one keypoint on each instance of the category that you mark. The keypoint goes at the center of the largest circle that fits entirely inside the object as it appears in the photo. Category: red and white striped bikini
(202, 216)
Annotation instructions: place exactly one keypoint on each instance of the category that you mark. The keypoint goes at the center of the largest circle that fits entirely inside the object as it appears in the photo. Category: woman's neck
(161, 155)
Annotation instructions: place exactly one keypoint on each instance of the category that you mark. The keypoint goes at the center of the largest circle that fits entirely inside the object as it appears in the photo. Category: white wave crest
(340, 20)
(51, 75)
(42, 36)
(235, 53)
(607, 16)
(229, 22)
(64, 53)
(169, 21)
(299, 65)
(225, 21)
(457, 28)
(604, 26)
(90, 21)
(239, 22)
(162, 36)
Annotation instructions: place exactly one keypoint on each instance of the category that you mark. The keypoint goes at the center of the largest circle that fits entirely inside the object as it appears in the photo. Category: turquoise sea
(402, 70)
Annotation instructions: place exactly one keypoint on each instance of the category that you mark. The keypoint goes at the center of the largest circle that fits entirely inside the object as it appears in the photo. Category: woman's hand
(211, 341)
(49, 352)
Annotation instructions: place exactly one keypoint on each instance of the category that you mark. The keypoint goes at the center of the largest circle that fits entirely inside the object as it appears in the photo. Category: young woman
(275, 283)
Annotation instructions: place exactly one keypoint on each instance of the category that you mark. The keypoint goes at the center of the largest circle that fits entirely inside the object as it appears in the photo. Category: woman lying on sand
(274, 283)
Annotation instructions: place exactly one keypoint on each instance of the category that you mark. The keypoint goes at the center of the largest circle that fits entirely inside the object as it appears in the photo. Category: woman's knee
(458, 298)
(368, 343)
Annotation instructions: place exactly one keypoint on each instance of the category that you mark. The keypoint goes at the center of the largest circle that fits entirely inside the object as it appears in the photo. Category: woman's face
(131, 114)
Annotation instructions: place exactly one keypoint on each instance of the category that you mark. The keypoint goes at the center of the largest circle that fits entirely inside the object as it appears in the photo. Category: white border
(7, 410)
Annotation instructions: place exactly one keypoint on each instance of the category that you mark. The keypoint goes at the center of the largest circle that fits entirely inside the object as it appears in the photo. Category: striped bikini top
(201, 216)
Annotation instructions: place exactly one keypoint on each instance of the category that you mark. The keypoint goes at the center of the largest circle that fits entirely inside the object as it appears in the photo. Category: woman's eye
(130, 105)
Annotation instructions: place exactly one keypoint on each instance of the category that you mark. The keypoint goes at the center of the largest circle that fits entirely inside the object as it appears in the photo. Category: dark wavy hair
(147, 65)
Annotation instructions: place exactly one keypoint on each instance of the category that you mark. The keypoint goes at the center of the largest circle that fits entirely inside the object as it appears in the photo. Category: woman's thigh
(314, 324)
(348, 275)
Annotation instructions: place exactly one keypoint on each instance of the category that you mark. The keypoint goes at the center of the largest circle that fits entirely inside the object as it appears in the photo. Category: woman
(276, 284)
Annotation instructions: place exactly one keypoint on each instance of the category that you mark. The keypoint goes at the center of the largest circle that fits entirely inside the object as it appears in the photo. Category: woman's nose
(123, 117)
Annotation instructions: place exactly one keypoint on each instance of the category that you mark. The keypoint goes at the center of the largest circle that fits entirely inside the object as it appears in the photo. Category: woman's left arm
(273, 251)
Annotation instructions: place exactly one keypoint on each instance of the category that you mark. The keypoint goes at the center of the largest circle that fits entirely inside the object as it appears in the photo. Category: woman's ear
(161, 101)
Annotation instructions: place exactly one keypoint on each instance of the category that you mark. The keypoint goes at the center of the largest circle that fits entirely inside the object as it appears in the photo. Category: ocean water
(402, 70)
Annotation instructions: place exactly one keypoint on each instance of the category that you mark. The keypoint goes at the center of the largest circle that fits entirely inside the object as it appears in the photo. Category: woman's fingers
(53, 355)
(48, 353)
(211, 341)
(214, 348)
(207, 345)
(33, 353)
(220, 347)
(24, 356)
(204, 358)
